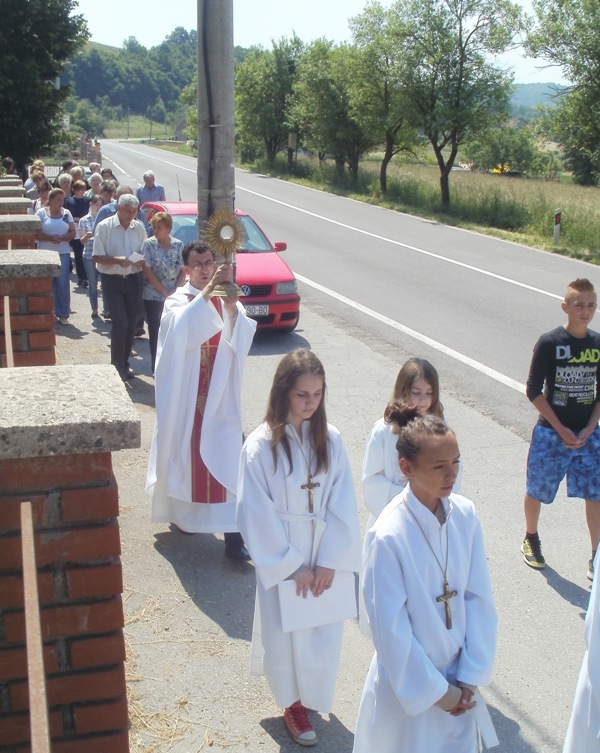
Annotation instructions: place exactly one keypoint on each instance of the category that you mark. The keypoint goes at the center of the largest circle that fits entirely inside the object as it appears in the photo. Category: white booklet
(336, 604)
(135, 257)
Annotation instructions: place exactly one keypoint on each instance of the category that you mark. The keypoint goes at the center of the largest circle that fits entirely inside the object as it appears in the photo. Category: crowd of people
(284, 496)
(97, 227)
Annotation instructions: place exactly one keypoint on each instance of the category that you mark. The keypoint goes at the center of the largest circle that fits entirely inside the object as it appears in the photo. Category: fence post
(556, 226)
(38, 703)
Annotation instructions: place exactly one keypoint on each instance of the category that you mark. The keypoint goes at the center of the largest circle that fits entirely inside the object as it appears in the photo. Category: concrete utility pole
(216, 176)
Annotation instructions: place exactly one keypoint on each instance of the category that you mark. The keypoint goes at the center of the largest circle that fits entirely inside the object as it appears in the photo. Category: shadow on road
(333, 736)
(221, 588)
(509, 734)
(569, 591)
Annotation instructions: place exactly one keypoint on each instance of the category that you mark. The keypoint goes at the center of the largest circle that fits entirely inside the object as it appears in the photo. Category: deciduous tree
(453, 90)
(321, 106)
(567, 34)
(263, 86)
(376, 91)
(37, 37)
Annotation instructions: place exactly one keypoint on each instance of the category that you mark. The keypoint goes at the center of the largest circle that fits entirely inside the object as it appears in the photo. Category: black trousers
(122, 297)
(154, 311)
(77, 247)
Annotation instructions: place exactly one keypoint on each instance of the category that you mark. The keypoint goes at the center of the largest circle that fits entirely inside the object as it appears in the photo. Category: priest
(202, 346)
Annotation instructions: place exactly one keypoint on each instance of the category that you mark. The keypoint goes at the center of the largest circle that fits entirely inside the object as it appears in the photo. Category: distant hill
(532, 95)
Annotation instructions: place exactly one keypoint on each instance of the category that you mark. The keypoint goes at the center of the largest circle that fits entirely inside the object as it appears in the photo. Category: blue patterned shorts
(549, 461)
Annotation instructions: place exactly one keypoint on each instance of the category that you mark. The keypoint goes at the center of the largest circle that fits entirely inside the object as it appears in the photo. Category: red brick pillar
(55, 451)
(20, 229)
(26, 277)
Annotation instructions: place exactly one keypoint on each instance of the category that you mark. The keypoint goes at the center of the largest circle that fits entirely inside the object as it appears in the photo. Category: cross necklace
(447, 593)
(310, 485)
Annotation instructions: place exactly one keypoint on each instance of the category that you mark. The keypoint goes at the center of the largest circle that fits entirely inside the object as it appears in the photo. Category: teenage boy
(566, 438)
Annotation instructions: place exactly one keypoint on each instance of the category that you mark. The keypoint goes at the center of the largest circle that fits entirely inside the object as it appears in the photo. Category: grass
(518, 209)
(138, 127)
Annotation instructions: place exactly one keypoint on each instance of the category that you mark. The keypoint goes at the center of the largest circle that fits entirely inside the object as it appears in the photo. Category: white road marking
(496, 375)
(405, 245)
(461, 357)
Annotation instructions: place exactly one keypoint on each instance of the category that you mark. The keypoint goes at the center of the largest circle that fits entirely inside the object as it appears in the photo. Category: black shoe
(106, 315)
(237, 552)
(140, 332)
(127, 376)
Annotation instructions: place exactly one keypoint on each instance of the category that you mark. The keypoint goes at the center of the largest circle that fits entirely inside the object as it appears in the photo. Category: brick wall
(31, 306)
(75, 506)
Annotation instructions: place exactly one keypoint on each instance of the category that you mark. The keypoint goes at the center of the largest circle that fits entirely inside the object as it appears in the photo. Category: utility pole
(216, 175)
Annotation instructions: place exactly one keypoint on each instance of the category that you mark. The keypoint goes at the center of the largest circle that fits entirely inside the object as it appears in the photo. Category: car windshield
(185, 229)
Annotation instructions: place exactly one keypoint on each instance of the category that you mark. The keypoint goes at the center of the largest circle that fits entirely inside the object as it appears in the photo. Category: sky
(258, 22)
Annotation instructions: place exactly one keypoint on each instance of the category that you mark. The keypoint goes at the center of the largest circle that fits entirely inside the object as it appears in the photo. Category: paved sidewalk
(189, 610)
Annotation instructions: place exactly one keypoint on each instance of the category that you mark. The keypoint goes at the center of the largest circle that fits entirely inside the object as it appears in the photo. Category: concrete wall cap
(15, 190)
(19, 224)
(65, 410)
(19, 264)
(14, 205)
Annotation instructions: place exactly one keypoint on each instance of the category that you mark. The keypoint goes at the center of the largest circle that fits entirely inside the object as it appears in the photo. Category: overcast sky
(258, 22)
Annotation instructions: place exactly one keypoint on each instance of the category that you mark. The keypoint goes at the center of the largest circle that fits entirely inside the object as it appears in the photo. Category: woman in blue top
(162, 273)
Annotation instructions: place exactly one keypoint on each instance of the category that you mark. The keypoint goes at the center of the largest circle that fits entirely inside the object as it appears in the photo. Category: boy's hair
(580, 285)
(419, 368)
(414, 429)
(295, 364)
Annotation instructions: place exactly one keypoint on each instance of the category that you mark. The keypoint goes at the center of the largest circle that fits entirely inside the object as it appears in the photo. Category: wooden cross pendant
(310, 486)
(445, 597)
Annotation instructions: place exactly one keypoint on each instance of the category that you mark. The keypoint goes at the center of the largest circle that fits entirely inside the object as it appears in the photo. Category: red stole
(205, 487)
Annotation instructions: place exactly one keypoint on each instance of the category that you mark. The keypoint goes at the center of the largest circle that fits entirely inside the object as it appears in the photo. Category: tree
(453, 91)
(376, 92)
(320, 106)
(506, 149)
(263, 85)
(37, 37)
(567, 34)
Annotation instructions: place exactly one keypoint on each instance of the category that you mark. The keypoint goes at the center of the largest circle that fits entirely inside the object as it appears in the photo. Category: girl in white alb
(297, 514)
(429, 602)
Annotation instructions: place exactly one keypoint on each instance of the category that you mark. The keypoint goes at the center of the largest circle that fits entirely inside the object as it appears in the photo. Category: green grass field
(517, 209)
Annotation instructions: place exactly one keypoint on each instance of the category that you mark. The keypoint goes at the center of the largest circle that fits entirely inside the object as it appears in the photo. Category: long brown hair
(419, 368)
(292, 366)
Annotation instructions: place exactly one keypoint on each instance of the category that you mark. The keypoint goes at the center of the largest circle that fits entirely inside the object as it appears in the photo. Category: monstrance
(225, 234)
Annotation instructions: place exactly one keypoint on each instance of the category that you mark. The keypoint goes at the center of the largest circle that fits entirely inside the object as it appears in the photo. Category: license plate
(257, 310)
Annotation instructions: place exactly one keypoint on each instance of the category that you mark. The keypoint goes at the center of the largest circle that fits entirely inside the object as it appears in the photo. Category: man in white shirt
(118, 241)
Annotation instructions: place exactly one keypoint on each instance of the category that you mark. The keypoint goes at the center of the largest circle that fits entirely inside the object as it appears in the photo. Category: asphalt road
(377, 287)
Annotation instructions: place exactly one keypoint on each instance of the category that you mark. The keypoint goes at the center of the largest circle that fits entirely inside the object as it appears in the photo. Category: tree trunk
(387, 156)
(353, 168)
(445, 187)
(339, 165)
(444, 182)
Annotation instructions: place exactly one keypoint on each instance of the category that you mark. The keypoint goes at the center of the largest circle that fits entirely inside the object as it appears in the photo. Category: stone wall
(26, 277)
(58, 428)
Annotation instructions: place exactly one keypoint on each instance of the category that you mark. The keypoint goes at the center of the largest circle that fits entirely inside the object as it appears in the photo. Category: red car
(269, 288)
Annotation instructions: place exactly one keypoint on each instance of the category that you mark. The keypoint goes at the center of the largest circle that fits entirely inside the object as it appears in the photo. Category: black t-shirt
(567, 369)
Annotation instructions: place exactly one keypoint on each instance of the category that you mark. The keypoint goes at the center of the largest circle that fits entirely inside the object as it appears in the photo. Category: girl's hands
(323, 579)
(304, 580)
(464, 704)
(316, 581)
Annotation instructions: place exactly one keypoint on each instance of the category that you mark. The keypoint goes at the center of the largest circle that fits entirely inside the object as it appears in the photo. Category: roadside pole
(216, 175)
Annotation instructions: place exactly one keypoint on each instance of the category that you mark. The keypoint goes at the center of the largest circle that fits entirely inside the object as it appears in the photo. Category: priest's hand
(304, 580)
(323, 579)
